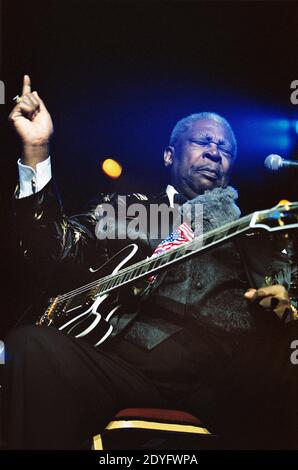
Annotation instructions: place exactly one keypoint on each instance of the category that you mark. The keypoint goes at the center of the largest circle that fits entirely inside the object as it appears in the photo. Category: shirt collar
(170, 193)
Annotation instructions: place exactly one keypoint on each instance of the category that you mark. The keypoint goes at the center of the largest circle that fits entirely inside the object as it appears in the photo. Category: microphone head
(273, 162)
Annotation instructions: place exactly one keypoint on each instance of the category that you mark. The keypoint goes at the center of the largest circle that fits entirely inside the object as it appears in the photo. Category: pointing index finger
(26, 85)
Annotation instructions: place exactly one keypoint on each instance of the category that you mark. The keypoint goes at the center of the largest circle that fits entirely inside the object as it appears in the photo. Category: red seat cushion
(157, 414)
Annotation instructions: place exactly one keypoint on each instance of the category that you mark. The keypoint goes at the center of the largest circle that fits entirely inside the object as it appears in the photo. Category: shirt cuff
(32, 181)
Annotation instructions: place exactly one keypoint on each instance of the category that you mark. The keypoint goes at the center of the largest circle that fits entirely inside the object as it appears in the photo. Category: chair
(153, 428)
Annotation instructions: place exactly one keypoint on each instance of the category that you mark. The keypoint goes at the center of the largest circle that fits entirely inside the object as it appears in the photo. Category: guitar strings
(204, 238)
(140, 264)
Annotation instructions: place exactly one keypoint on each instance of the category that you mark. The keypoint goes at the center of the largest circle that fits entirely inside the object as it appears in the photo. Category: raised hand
(33, 124)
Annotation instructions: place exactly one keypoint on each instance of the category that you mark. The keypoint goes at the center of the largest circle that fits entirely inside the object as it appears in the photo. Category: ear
(168, 155)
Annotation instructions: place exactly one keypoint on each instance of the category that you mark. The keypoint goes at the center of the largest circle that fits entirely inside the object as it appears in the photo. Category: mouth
(208, 173)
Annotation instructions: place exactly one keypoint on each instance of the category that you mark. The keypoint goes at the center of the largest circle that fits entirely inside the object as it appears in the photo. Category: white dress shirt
(31, 181)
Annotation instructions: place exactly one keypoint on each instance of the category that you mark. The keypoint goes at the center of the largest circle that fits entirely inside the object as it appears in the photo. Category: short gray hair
(185, 123)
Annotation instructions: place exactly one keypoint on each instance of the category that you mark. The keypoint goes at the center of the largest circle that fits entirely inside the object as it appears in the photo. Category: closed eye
(226, 151)
(200, 142)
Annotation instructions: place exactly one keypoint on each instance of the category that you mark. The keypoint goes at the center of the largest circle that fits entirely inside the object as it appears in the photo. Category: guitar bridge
(47, 318)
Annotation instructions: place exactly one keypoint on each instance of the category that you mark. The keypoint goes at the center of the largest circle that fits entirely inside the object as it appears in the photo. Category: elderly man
(211, 336)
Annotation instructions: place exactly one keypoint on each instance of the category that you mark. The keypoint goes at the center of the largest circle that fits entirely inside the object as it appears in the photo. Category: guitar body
(86, 314)
(91, 321)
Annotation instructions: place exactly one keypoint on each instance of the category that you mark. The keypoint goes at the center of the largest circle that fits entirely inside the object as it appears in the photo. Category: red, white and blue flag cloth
(180, 236)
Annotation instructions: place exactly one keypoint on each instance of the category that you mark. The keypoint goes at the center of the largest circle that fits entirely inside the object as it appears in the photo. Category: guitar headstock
(283, 216)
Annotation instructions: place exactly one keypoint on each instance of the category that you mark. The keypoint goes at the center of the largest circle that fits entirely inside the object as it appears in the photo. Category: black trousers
(60, 391)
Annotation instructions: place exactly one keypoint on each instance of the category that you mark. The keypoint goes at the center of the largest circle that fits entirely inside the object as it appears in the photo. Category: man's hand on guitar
(33, 125)
(275, 298)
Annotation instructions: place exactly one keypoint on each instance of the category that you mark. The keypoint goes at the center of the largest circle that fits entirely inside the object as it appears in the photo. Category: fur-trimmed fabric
(219, 207)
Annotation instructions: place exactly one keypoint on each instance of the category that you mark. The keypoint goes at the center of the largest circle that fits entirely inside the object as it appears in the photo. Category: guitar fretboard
(164, 260)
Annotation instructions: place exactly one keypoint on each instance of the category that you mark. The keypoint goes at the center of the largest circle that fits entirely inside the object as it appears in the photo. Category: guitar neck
(163, 261)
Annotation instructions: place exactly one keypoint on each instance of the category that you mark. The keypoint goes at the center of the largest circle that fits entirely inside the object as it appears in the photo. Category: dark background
(116, 76)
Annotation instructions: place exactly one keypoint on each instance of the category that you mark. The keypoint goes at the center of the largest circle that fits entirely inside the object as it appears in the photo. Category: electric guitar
(85, 312)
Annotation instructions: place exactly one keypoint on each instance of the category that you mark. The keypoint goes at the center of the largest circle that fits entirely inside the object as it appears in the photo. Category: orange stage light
(112, 168)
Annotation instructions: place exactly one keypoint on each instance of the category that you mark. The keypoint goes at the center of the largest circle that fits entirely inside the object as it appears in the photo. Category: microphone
(276, 162)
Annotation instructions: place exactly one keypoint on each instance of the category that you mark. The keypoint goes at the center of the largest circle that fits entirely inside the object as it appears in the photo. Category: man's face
(202, 159)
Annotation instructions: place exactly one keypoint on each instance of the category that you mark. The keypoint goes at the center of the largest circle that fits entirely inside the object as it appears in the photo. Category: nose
(212, 153)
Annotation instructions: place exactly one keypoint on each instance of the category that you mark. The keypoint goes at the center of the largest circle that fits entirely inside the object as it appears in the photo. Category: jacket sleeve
(49, 239)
